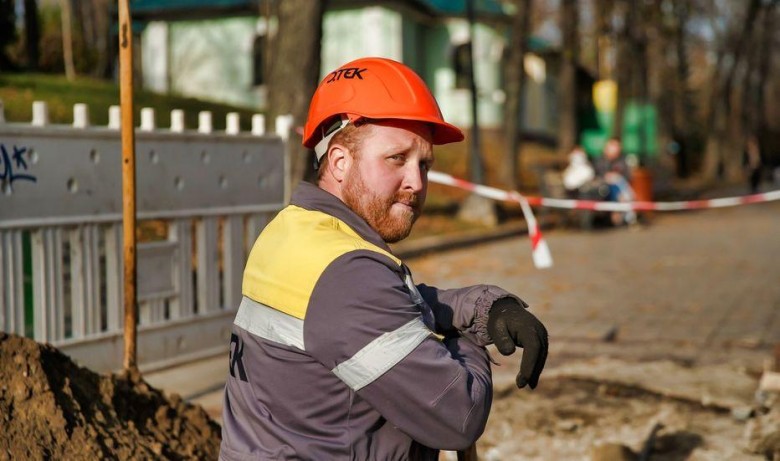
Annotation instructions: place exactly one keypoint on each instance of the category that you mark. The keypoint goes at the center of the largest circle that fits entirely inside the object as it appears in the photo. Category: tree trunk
(632, 60)
(103, 59)
(294, 70)
(720, 146)
(684, 109)
(567, 131)
(8, 34)
(642, 24)
(604, 42)
(768, 32)
(514, 75)
(624, 69)
(747, 105)
(32, 34)
(476, 164)
(92, 18)
(67, 39)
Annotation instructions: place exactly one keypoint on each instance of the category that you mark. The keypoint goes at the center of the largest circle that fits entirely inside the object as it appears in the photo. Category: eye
(398, 158)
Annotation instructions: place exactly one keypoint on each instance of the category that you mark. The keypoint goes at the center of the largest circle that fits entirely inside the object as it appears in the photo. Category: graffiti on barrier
(13, 166)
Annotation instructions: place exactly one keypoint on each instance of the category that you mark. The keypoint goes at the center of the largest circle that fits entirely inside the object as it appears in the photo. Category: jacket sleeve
(362, 324)
(464, 310)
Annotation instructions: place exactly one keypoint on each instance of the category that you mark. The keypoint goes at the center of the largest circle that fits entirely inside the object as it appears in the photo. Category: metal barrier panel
(61, 206)
(11, 282)
(59, 175)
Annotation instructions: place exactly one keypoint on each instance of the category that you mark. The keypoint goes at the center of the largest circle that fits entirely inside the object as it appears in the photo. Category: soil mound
(51, 408)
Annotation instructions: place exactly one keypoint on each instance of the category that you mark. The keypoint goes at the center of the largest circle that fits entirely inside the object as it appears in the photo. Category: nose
(415, 178)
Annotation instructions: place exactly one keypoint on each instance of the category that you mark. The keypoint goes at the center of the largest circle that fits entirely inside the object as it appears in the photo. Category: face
(387, 180)
(612, 149)
(577, 154)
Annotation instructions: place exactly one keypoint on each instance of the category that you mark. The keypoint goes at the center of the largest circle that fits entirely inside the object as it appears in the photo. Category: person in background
(335, 352)
(579, 170)
(613, 169)
(580, 182)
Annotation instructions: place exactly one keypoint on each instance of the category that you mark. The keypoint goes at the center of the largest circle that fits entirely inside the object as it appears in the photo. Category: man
(612, 164)
(613, 169)
(335, 352)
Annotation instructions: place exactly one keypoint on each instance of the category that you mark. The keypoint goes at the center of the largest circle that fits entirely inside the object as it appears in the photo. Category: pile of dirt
(51, 408)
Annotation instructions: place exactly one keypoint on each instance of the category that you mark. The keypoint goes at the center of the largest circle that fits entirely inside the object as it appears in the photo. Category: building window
(461, 63)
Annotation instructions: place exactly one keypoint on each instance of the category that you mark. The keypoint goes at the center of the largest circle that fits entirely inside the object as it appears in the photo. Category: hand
(509, 325)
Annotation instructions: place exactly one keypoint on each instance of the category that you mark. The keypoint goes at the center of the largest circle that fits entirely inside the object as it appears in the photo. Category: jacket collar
(311, 197)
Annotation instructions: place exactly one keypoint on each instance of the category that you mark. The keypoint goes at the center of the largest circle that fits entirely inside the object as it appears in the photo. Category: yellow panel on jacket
(291, 253)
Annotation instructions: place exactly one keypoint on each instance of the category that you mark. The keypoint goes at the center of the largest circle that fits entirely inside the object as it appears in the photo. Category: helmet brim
(445, 133)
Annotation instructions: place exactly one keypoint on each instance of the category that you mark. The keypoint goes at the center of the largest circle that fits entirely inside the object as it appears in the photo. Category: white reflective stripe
(381, 354)
(269, 323)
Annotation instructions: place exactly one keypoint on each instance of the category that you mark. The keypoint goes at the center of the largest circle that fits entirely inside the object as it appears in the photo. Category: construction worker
(335, 352)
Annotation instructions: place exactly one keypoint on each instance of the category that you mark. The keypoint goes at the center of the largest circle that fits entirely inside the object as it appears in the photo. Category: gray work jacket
(336, 354)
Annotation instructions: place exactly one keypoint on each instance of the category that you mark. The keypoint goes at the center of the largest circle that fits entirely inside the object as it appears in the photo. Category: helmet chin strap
(322, 147)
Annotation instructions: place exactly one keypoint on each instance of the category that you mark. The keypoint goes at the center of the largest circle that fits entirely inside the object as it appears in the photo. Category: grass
(18, 91)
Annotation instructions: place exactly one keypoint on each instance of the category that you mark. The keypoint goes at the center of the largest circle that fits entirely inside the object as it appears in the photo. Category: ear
(339, 161)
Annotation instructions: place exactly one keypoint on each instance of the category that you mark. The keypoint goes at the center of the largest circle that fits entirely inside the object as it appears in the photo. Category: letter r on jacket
(236, 354)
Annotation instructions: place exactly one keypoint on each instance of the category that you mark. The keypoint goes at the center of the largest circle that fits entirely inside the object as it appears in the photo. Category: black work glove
(509, 325)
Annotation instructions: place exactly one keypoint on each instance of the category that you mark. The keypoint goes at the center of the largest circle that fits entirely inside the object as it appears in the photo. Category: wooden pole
(128, 182)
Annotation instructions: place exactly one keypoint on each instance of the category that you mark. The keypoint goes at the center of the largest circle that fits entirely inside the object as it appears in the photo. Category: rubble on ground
(613, 410)
(599, 409)
(762, 432)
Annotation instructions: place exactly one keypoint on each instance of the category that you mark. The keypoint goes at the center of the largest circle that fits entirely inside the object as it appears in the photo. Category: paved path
(698, 287)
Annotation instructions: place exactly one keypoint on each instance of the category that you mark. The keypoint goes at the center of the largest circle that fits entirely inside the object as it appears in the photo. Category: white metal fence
(204, 195)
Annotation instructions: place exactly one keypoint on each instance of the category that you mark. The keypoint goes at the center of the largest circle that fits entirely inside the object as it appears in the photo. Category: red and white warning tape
(498, 194)
(540, 250)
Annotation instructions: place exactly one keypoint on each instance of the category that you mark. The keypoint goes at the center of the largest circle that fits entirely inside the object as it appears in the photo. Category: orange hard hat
(373, 88)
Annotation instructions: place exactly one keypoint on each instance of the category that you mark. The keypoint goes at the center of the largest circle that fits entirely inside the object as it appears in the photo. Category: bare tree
(707, 67)
(91, 16)
(67, 38)
(32, 34)
(768, 34)
(673, 95)
(294, 67)
(748, 106)
(604, 10)
(567, 131)
(722, 149)
(514, 74)
(632, 66)
(685, 109)
(624, 62)
(7, 33)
